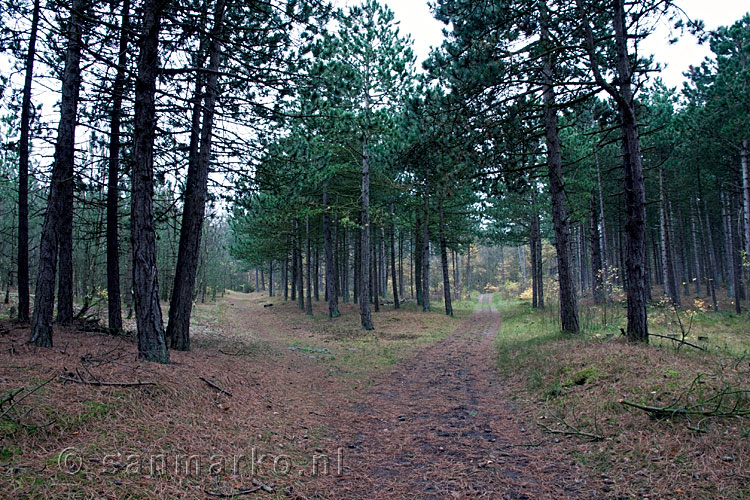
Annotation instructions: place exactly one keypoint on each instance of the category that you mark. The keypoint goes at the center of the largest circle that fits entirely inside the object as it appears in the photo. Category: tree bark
(308, 304)
(708, 245)
(270, 278)
(444, 260)
(596, 253)
(364, 256)
(152, 344)
(426, 251)
(114, 311)
(357, 278)
(293, 250)
(285, 277)
(682, 251)
(696, 253)
(60, 193)
(568, 300)
(333, 301)
(744, 151)
(536, 253)
(394, 276)
(666, 245)
(635, 191)
(345, 267)
(468, 272)
(196, 190)
(316, 281)
(417, 253)
(300, 268)
(726, 225)
(401, 263)
(23, 174)
(603, 234)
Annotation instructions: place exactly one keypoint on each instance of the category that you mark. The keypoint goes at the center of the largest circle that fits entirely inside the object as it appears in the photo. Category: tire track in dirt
(440, 425)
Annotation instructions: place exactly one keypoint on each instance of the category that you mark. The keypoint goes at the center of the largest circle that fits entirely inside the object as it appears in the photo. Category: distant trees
(347, 173)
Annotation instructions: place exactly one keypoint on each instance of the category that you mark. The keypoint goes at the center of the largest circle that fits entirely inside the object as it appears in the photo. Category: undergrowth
(574, 386)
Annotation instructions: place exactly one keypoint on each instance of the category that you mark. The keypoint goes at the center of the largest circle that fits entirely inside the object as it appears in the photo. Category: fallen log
(218, 388)
(102, 383)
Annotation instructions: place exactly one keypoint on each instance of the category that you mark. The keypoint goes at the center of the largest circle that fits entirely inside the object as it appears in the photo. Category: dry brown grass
(280, 402)
(581, 381)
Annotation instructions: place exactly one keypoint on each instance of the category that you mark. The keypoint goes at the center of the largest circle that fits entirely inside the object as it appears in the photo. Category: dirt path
(441, 426)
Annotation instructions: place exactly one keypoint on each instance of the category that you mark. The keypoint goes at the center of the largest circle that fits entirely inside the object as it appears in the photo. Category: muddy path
(441, 425)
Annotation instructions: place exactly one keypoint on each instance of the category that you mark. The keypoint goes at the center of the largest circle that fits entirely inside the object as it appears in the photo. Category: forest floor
(272, 403)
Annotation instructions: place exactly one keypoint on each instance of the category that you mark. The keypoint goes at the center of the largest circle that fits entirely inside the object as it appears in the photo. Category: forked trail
(440, 425)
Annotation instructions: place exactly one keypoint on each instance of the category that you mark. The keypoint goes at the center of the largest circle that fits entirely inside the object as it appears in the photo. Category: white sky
(416, 18)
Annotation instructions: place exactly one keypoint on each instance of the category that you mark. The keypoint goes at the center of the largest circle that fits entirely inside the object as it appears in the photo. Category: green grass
(358, 355)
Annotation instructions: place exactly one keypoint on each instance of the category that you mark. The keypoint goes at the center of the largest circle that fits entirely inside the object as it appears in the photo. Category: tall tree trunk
(300, 268)
(726, 224)
(736, 225)
(316, 290)
(67, 187)
(114, 312)
(23, 174)
(468, 272)
(502, 264)
(744, 152)
(536, 253)
(444, 259)
(401, 263)
(568, 300)
(345, 267)
(357, 265)
(426, 251)
(666, 257)
(62, 179)
(635, 190)
(364, 255)
(285, 277)
(383, 264)
(308, 257)
(196, 190)
(603, 234)
(270, 278)
(333, 301)
(336, 260)
(417, 252)
(710, 258)
(696, 252)
(411, 266)
(596, 253)
(375, 279)
(293, 250)
(682, 250)
(152, 344)
(396, 304)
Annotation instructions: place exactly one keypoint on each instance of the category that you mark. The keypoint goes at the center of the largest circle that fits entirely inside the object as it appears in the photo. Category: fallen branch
(263, 486)
(571, 431)
(666, 411)
(522, 445)
(100, 383)
(237, 492)
(10, 398)
(679, 341)
(220, 389)
(257, 486)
